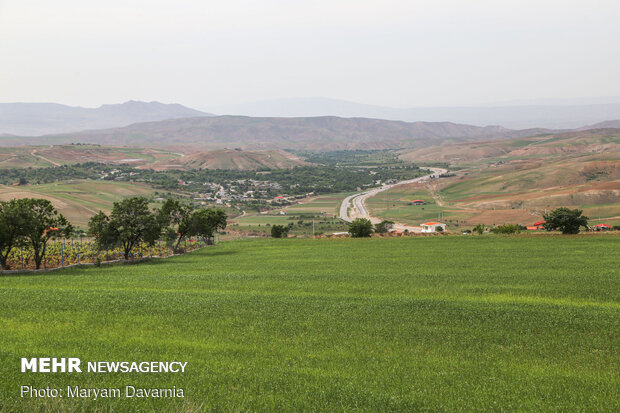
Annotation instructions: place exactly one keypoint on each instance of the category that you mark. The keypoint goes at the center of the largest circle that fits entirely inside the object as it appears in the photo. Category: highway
(358, 200)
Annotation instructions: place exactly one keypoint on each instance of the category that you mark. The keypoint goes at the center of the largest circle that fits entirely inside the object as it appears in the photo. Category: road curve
(358, 200)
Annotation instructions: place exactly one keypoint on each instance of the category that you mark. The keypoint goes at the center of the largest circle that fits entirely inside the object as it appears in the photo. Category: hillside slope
(145, 158)
(545, 145)
(232, 159)
(515, 180)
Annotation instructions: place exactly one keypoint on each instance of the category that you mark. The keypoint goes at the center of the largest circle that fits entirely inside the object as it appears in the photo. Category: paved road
(358, 201)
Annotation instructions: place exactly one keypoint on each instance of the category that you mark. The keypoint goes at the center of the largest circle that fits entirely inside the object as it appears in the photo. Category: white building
(432, 227)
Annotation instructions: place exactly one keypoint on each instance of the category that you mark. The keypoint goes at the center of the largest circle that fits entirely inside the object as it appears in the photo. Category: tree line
(33, 223)
(295, 181)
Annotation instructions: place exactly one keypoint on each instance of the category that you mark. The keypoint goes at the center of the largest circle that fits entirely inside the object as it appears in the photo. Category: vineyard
(67, 252)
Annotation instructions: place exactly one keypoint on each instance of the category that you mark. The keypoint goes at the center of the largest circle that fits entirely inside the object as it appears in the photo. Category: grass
(323, 209)
(394, 204)
(302, 223)
(485, 323)
(46, 155)
(78, 200)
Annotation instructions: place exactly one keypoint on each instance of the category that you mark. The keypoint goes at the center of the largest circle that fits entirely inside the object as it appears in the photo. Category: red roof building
(603, 226)
(537, 225)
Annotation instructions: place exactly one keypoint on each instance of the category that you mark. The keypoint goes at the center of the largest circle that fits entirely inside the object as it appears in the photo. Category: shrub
(360, 228)
(279, 231)
(507, 229)
(383, 226)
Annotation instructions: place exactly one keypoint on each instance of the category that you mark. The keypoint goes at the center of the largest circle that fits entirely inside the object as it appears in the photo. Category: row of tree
(33, 223)
(132, 222)
(566, 220)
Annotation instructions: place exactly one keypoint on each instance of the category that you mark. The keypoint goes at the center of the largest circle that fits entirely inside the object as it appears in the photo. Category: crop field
(327, 204)
(395, 204)
(446, 323)
(323, 209)
(78, 200)
(55, 155)
(301, 223)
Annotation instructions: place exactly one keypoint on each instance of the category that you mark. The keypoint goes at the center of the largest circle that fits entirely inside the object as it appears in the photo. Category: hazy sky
(402, 53)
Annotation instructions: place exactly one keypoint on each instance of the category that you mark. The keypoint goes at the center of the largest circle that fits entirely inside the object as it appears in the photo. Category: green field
(453, 323)
(395, 204)
(322, 209)
(301, 223)
(78, 200)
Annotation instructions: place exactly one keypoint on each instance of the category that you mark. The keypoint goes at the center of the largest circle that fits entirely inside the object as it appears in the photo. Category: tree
(566, 220)
(360, 228)
(205, 222)
(279, 231)
(383, 226)
(12, 224)
(130, 223)
(99, 228)
(479, 229)
(42, 223)
(173, 214)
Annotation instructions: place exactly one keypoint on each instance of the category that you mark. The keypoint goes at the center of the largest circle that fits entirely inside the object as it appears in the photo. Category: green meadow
(446, 323)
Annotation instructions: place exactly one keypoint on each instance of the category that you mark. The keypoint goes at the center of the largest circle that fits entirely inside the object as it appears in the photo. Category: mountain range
(34, 119)
(172, 125)
(317, 133)
(553, 114)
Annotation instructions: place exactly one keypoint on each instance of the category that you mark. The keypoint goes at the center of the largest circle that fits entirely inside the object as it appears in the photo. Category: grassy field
(483, 323)
(54, 155)
(78, 200)
(395, 204)
(323, 209)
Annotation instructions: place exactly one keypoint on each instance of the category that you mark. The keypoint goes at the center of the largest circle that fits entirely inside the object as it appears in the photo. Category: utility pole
(312, 227)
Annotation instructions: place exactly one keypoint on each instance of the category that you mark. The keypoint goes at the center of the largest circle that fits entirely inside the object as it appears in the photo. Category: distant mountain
(535, 114)
(608, 124)
(33, 119)
(319, 133)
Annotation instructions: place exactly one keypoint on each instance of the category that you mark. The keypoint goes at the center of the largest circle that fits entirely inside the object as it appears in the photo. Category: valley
(491, 181)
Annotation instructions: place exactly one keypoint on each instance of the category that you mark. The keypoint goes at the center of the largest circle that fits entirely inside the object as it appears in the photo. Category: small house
(418, 202)
(603, 227)
(429, 227)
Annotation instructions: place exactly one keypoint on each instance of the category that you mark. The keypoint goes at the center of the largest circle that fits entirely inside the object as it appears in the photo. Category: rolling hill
(542, 145)
(145, 158)
(320, 133)
(33, 119)
(232, 159)
(515, 180)
(78, 200)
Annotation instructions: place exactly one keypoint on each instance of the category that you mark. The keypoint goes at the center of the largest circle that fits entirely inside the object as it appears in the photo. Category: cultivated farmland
(446, 323)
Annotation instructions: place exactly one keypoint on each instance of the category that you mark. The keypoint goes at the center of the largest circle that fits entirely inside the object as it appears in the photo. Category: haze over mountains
(553, 114)
(34, 119)
(157, 124)
(319, 133)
